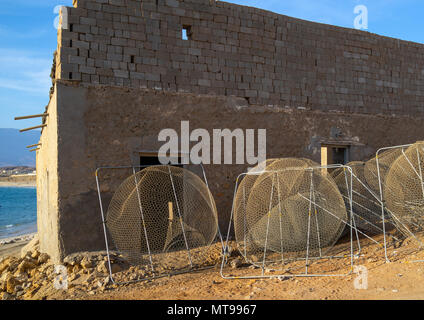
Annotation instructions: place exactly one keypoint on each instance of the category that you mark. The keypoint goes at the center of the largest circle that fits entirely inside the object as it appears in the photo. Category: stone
(6, 296)
(35, 254)
(11, 284)
(31, 246)
(102, 267)
(26, 265)
(43, 258)
(86, 263)
(4, 265)
(236, 263)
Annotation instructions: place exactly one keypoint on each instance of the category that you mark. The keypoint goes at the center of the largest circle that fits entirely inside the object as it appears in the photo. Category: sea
(18, 211)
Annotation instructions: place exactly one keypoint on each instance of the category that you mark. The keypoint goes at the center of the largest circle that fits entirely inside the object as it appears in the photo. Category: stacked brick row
(267, 58)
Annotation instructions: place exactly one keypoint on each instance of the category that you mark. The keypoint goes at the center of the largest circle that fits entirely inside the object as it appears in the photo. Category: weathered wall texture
(104, 125)
(48, 183)
(241, 51)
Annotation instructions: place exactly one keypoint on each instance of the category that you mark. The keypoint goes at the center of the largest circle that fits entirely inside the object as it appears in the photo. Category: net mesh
(287, 211)
(404, 190)
(365, 206)
(385, 160)
(163, 216)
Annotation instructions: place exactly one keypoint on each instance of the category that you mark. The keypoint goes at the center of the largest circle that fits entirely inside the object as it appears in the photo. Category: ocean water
(18, 211)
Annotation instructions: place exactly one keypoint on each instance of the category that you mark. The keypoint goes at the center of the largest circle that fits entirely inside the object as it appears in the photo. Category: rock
(5, 264)
(26, 265)
(73, 259)
(43, 258)
(86, 263)
(77, 268)
(35, 254)
(6, 296)
(236, 263)
(102, 267)
(74, 276)
(11, 284)
(20, 293)
(106, 281)
(32, 246)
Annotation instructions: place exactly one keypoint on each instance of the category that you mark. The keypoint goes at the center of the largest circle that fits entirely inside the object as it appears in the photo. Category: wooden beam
(34, 145)
(33, 116)
(32, 128)
(34, 150)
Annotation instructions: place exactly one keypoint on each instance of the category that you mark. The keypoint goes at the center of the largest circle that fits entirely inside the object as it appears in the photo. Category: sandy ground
(18, 184)
(401, 279)
(13, 246)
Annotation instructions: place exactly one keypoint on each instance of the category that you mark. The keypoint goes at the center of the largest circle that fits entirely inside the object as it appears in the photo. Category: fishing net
(404, 189)
(385, 160)
(291, 209)
(164, 217)
(365, 204)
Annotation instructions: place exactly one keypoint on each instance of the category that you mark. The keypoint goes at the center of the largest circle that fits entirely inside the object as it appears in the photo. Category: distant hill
(13, 151)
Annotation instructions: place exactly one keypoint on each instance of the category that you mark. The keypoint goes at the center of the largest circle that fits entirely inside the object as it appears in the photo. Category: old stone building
(126, 69)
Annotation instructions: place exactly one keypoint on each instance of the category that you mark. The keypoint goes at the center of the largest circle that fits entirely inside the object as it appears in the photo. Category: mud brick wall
(233, 50)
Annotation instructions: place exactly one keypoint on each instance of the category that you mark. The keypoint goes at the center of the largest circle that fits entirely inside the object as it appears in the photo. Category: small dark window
(70, 75)
(149, 160)
(334, 155)
(186, 33)
(71, 27)
(132, 59)
(340, 155)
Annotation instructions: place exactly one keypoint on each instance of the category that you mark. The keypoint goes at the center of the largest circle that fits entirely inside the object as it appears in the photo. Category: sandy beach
(17, 184)
(13, 246)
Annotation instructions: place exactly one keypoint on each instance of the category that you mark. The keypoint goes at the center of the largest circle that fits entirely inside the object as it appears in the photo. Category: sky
(28, 40)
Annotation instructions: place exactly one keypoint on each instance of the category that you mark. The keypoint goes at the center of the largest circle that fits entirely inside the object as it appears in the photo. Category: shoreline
(12, 246)
(6, 184)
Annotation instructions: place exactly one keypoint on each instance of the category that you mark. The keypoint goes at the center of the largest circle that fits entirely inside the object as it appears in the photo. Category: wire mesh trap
(366, 206)
(401, 189)
(162, 219)
(288, 219)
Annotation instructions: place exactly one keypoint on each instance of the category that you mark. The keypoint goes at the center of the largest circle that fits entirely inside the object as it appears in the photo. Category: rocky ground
(32, 276)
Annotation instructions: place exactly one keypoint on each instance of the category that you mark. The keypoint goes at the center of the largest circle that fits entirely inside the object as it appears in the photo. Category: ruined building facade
(126, 69)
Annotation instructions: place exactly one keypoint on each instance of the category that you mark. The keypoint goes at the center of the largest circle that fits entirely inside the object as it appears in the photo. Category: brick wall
(267, 58)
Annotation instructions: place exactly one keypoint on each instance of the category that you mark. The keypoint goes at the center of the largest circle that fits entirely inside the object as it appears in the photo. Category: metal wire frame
(376, 201)
(133, 168)
(382, 202)
(311, 201)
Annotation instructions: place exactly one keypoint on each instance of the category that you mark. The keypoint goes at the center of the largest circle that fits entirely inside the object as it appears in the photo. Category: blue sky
(28, 40)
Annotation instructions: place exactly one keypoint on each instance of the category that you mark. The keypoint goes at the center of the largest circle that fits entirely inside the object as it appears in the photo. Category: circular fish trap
(365, 206)
(164, 216)
(404, 189)
(385, 160)
(287, 210)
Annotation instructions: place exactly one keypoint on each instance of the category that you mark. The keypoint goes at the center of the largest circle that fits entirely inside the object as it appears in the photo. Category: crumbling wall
(48, 183)
(241, 51)
(95, 130)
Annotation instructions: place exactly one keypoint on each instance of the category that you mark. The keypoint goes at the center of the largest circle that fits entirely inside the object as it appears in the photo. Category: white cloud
(25, 71)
